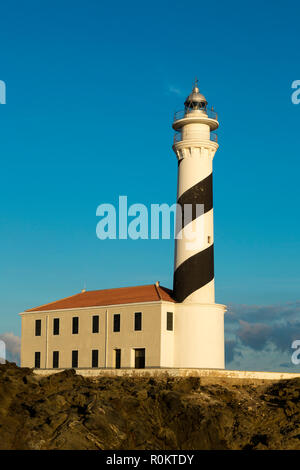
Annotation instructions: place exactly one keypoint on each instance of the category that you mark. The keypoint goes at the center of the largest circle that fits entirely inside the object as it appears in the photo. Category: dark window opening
(118, 358)
(170, 321)
(56, 326)
(75, 325)
(140, 358)
(74, 359)
(95, 357)
(117, 322)
(138, 321)
(55, 359)
(38, 327)
(96, 324)
(37, 360)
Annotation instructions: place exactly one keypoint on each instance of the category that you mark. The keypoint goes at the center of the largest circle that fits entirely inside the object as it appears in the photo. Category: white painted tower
(200, 321)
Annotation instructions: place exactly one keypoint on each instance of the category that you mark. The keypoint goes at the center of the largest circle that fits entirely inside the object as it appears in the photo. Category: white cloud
(174, 90)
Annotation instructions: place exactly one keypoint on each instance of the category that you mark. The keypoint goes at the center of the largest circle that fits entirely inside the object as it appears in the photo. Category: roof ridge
(116, 288)
(112, 296)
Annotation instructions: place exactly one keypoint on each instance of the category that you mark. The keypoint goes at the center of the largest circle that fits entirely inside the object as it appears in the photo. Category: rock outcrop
(68, 411)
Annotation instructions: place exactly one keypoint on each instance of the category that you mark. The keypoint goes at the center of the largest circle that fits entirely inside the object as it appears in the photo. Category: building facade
(148, 326)
(130, 327)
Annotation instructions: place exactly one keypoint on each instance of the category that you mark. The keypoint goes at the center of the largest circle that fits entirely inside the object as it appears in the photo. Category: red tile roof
(121, 295)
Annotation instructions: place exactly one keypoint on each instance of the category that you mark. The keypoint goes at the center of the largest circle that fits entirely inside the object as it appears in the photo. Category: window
(38, 327)
(170, 321)
(55, 359)
(37, 360)
(140, 358)
(117, 322)
(75, 359)
(118, 358)
(96, 324)
(56, 326)
(138, 321)
(95, 357)
(75, 325)
(208, 239)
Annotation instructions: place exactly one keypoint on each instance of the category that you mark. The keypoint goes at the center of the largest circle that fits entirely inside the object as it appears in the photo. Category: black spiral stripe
(194, 273)
(198, 270)
(200, 193)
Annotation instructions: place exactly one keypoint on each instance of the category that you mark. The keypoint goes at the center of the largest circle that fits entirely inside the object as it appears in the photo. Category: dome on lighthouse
(195, 100)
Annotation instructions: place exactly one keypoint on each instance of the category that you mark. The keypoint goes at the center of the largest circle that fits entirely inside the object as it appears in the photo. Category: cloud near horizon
(12, 346)
(261, 336)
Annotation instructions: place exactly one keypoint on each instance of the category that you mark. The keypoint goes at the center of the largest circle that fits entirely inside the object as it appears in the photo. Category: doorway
(118, 358)
(140, 357)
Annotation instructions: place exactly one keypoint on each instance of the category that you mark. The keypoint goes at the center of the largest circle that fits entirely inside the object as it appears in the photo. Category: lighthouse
(148, 326)
(200, 321)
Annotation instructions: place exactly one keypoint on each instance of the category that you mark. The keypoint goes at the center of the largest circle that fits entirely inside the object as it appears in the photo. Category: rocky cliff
(67, 411)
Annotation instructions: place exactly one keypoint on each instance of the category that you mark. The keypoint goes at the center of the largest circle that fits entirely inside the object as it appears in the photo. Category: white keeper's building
(147, 326)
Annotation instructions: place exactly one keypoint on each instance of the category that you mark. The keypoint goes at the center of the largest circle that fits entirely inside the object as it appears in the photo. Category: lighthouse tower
(200, 321)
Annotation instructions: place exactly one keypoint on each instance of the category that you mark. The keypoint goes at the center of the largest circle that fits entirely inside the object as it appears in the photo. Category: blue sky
(91, 91)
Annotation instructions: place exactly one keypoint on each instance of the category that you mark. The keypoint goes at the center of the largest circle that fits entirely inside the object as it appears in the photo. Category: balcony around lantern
(183, 113)
(201, 115)
(178, 137)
